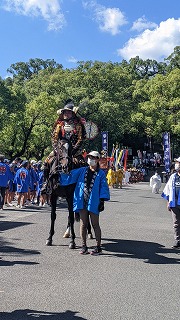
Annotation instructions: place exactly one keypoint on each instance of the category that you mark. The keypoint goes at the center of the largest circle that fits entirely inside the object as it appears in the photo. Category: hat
(33, 162)
(24, 163)
(94, 154)
(177, 160)
(69, 105)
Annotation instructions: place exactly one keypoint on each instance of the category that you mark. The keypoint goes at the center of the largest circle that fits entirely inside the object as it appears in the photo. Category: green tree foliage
(131, 100)
(158, 105)
(25, 70)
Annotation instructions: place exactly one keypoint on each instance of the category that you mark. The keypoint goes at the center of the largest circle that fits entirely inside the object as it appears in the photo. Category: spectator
(12, 186)
(22, 180)
(5, 176)
(171, 193)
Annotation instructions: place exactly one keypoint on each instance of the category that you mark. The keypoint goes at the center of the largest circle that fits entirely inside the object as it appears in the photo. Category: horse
(62, 162)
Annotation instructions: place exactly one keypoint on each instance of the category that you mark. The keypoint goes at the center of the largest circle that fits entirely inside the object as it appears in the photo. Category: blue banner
(167, 151)
(105, 141)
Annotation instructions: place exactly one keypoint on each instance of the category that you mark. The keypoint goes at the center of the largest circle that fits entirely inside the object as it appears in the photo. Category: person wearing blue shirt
(90, 193)
(5, 175)
(22, 180)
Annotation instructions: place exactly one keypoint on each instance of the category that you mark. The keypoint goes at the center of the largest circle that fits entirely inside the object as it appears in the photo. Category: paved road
(136, 277)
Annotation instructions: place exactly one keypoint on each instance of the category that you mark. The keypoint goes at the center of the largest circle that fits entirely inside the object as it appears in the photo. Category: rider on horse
(68, 126)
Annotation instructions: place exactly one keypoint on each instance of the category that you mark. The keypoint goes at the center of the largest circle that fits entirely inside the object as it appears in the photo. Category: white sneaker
(45, 205)
(17, 206)
(10, 204)
(22, 207)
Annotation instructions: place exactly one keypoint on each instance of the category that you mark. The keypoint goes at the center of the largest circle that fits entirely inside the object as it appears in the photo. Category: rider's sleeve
(79, 142)
(56, 135)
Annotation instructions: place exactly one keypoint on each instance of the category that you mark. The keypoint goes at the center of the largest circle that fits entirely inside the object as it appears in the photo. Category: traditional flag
(120, 156)
(125, 159)
(167, 151)
(123, 154)
(116, 157)
(105, 141)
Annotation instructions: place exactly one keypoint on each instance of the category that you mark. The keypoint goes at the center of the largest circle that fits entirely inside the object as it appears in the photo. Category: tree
(25, 70)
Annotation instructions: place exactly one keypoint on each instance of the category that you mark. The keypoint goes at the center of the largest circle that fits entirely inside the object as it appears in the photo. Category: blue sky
(69, 31)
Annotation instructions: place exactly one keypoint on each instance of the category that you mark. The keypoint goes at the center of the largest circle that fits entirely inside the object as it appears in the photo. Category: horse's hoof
(72, 245)
(90, 236)
(48, 242)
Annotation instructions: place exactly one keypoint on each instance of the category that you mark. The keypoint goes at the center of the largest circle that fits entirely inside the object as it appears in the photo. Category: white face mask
(177, 166)
(91, 162)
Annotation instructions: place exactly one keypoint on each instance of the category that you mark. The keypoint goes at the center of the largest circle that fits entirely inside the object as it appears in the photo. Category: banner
(105, 142)
(167, 151)
(125, 159)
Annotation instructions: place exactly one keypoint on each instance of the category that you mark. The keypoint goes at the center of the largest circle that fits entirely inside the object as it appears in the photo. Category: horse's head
(63, 154)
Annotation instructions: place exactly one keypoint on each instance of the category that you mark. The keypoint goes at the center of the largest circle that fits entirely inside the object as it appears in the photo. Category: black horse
(62, 162)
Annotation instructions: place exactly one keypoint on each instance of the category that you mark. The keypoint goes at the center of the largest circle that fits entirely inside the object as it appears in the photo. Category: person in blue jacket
(5, 175)
(90, 193)
(171, 193)
(33, 174)
(22, 180)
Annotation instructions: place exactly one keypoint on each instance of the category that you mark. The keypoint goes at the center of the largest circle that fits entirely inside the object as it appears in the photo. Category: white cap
(94, 154)
(177, 160)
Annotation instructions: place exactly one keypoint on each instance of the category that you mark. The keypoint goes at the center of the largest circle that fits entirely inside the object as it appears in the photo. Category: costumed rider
(71, 127)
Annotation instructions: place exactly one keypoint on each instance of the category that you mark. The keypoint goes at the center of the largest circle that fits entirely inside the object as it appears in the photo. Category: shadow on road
(149, 252)
(6, 249)
(6, 225)
(32, 314)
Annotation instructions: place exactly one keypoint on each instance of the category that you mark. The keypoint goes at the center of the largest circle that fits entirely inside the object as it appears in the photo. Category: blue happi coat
(22, 180)
(99, 191)
(169, 192)
(5, 174)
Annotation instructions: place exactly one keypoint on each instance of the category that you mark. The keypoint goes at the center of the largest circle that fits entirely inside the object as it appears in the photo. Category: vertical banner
(116, 157)
(103, 160)
(105, 142)
(125, 159)
(167, 151)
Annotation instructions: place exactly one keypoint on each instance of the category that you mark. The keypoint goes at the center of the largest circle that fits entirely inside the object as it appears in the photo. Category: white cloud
(142, 24)
(72, 59)
(48, 9)
(109, 19)
(155, 44)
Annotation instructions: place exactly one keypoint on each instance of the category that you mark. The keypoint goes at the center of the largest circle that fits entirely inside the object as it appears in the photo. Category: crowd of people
(21, 182)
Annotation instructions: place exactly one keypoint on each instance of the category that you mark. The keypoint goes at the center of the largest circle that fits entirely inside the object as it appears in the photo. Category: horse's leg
(53, 218)
(68, 230)
(69, 199)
